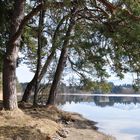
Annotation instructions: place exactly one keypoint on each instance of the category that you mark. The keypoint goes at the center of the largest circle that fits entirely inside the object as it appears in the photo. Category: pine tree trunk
(58, 73)
(38, 67)
(28, 91)
(31, 85)
(9, 84)
(10, 59)
(60, 66)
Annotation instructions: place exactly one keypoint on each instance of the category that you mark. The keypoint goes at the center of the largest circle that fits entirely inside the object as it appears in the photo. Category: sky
(25, 75)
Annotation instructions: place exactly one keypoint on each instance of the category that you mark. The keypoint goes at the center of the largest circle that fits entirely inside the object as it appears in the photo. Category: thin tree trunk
(28, 91)
(0, 82)
(10, 59)
(58, 73)
(31, 85)
(41, 22)
(60, 67)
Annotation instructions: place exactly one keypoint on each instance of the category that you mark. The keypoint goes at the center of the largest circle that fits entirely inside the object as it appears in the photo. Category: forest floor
(46, 123)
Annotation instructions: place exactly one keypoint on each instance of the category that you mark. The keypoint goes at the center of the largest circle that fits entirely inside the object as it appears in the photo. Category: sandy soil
(46, 123)
(88, 134)
(83, 129)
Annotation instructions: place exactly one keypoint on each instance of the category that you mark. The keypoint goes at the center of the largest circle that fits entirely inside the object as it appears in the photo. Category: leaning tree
(109, 40)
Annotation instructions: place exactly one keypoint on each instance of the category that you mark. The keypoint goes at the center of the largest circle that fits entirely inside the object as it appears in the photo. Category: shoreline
(84, 129)
(47, 123)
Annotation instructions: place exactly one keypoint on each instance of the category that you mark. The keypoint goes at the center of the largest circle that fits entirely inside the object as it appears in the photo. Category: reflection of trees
(109, 101)
(62, 99)
(98, 100)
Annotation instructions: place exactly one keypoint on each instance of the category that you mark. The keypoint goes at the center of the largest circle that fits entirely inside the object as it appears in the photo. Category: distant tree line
(98, 100)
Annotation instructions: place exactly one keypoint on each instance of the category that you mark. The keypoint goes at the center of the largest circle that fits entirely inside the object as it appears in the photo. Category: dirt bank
(46, 123)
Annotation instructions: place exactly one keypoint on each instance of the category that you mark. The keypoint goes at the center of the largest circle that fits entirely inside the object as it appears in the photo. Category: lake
(117, 115)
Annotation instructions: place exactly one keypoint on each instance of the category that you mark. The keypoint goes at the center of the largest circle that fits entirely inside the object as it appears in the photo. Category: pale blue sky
(24, 75)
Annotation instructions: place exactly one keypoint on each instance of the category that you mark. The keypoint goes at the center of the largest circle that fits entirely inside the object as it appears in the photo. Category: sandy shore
(83, 129)
(47, 123)
(88, 134)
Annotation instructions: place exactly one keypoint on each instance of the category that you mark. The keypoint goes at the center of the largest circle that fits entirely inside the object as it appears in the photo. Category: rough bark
(10, 58)
(60, 67)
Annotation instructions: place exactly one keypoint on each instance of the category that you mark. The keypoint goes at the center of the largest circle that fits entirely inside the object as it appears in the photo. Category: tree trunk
(28, 91)
(61, 65)
(10, 59)
(9, 84)
(58, 73)
(38, 67)
(31, 85)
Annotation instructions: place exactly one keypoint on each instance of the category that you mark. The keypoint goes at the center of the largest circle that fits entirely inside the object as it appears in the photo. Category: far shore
(109, 94)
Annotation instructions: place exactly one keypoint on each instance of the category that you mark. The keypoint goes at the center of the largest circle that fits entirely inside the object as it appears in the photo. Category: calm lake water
(116, 116)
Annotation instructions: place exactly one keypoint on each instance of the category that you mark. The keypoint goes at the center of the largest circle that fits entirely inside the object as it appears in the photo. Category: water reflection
(117, 116)
(137, 138)
(98, 100)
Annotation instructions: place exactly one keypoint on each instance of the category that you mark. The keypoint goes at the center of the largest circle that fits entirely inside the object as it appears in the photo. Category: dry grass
(46, 123)
(17, 124)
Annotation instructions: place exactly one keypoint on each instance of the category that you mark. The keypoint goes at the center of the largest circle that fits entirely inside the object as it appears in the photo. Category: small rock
(62, 133)
(67, 122)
